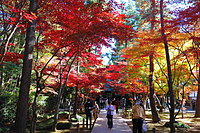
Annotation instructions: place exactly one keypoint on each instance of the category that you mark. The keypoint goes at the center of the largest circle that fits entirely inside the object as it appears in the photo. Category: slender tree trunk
(60, 93)
(22, 105)
(1, 78)
(170, 83)
(76, 102)
(57, 108)
(4, 46)
(18, 81)
(59, 97)
(76, 93)
(155, 117)
(34, 115)
(197, 107)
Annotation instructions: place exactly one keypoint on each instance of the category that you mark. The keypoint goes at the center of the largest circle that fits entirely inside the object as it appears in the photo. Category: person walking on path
(138, 116)
(117, 104)
(95, 110)
(120, 125)
(193, 104)
(88, 112)
(110, 110)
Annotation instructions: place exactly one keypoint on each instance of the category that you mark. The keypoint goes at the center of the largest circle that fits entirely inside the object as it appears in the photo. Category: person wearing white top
(110, 110)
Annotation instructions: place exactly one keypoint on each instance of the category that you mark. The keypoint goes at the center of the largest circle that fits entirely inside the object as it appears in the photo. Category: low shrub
(62, 126)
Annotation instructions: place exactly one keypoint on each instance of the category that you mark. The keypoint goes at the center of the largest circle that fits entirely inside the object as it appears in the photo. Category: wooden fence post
(83, 122)
(154, 130)
(78, 128)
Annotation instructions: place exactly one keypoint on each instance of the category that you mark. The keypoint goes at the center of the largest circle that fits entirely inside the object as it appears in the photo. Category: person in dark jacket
(117, 104)
(88, 112)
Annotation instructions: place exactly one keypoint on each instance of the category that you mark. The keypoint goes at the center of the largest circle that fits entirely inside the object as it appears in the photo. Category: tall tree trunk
(76, 102)
(1, 79)
(59, 97)
(22, 105)
(169, 80)
(34, 115)
(60, 93)
(197, 107)
(76, 93)
(155, 117)
(34, 109)
(57, 108)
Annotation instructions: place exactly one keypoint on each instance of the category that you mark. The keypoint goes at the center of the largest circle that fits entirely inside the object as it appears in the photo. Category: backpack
(109, 112)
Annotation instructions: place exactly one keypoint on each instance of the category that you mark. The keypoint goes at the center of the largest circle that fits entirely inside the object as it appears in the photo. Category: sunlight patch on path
(119, 124)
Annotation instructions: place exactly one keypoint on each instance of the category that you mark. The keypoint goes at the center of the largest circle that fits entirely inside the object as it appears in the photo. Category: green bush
(45, 125)
(177, 125)
(4, 130)
(51, 103)
(8, 102)
(48, 124)
(181, 125)
(62, 126)
(45, 116)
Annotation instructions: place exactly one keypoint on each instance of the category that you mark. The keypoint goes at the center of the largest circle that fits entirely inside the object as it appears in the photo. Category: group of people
(138, 113)
(138, 116)
(91, 108)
